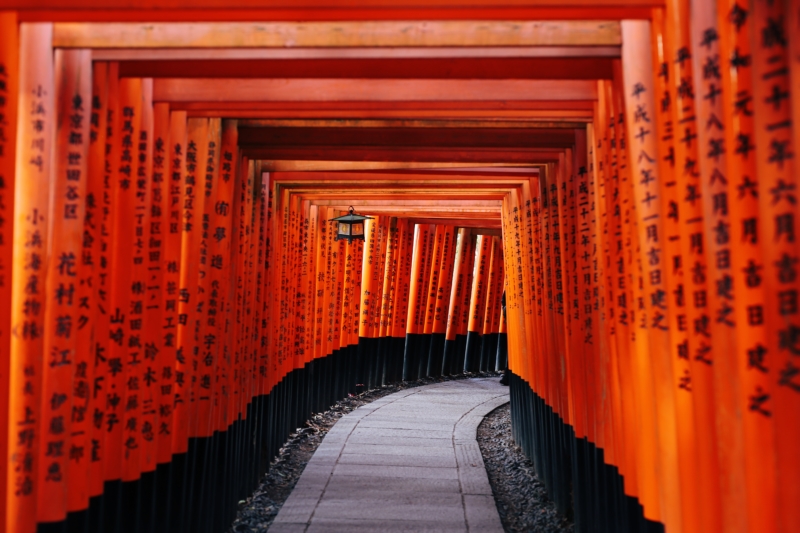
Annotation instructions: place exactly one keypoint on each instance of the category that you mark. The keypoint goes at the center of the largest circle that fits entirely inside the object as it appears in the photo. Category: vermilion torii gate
(173, 302)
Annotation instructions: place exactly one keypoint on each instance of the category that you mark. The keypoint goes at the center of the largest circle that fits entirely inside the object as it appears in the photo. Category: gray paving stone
(398, 460)
(482, 514)
(379, 449)
(407, 462)
(281, 527)
(389, 493)
(358, 485)
(474, 481)
(442, 507)
(383, 440)
(371, 526)
(393, 423)
(416, 472)
(297, 510)
(404, 433)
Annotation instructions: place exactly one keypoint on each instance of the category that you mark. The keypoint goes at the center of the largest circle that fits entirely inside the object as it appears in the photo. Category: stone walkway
(407, 462)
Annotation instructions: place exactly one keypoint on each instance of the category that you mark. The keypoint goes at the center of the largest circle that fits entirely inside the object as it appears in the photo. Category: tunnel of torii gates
(173, 304)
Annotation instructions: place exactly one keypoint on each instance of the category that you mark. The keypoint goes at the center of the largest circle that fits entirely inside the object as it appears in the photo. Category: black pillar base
(472, 353)
(502, 351)
(411, 357)
(574, 471)
(436, 354)
(449, 357)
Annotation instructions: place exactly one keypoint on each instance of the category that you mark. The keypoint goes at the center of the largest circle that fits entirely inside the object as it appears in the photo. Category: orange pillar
(188, 295)
(653, 366)
(96, 267)
(476, 305)
(494, 287)
(156, 353)
(376, 357)
(439, 318)
(385, 307)
(699, 471)
(715, 385)
(587, 255)
(369, 287)
(28, 297)
(172, 256)
(78, 471)
(777, 232)
(746, 505)
(123, 174)
(323, 228)
(400, 295)
(421, 250)
(211, 264)
(348, 318)
(787, 394)
(221, 235)
(562, 205)
(491, 319)
(428, 366)
(68, 191)
(458, 286)
(134, 188)
(9, 66)
(464, 318)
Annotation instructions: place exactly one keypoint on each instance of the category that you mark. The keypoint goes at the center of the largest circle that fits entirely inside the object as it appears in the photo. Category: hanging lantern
(350, 226)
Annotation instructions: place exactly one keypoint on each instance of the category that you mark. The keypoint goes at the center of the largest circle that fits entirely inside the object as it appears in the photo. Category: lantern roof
(351, 217)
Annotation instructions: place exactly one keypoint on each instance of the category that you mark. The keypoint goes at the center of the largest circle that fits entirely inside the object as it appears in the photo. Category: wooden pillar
(777, 232)
(433, 279)
(139, 316)
(188, 295)
(385, 309)
(323, 228)
(690, 179)
(547, 226)
(222, 245)
(306, 264)
(560, 243)
(788, 392)
(523, 262)
(491, 320)
(267, 333)
(476, 305)
(96, 255)
(35, 130)
(171, 388)
(212, 263)
(245, 295)
(379, 256)
(719, 450)
(370, 263)
(443, 298)
(494, 286)
(9, 88)
(651, 322)
(348, 318)
(154, 351)
(400, 295)
(420, 251)
(458, 286)
(463, 319)
(68, 192)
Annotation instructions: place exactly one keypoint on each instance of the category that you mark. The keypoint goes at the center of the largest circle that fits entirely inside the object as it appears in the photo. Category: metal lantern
(350, 226)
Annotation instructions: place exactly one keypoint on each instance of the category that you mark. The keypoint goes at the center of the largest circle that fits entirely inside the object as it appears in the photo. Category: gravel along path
(259, 510)
(520, 497)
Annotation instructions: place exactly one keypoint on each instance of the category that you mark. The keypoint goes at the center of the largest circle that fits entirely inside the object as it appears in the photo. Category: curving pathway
(407, 462)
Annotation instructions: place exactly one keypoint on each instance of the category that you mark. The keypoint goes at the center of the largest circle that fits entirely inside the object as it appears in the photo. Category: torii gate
(173, 302)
